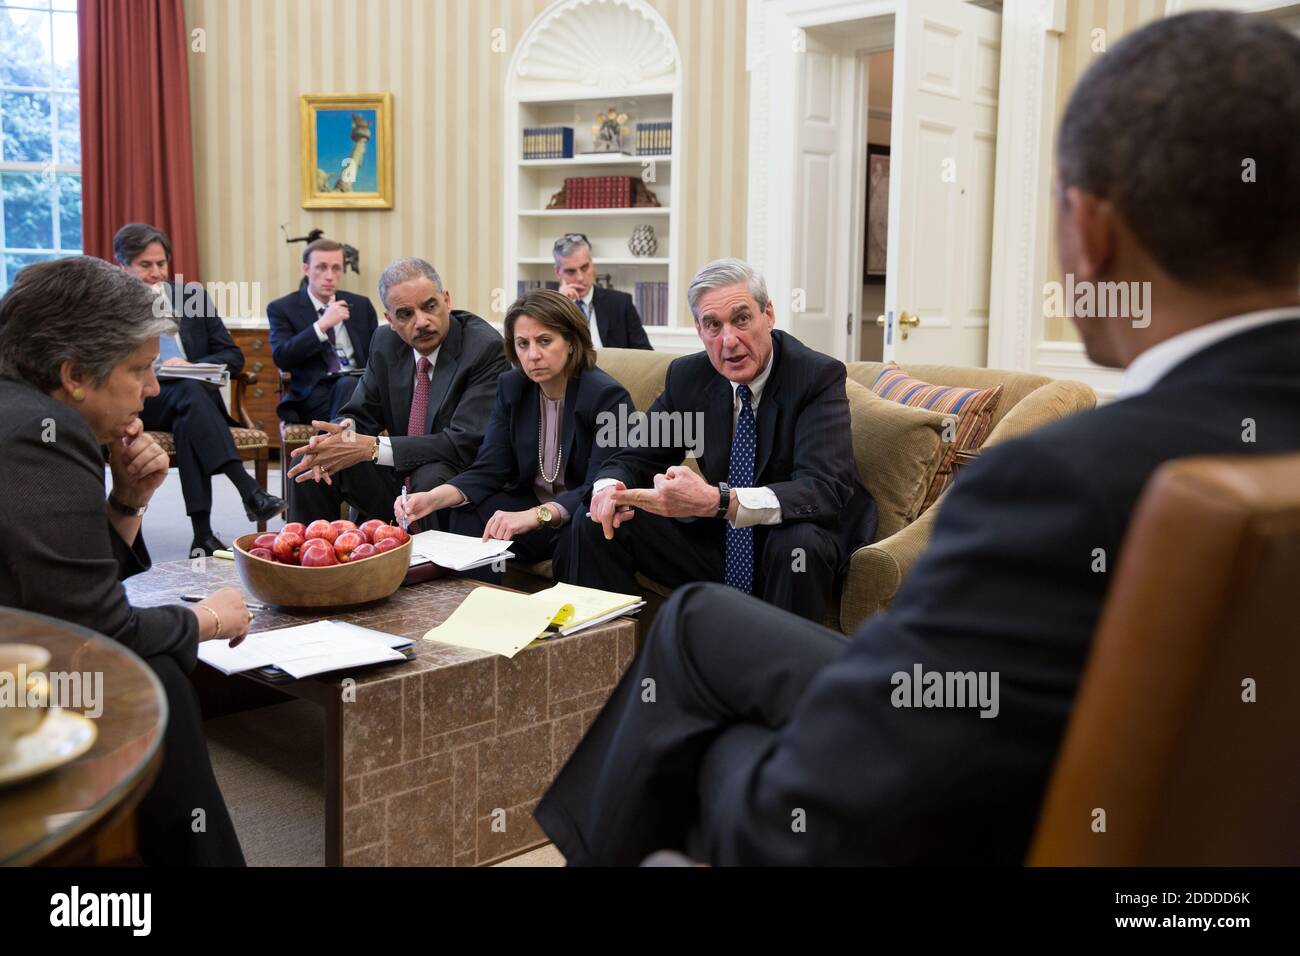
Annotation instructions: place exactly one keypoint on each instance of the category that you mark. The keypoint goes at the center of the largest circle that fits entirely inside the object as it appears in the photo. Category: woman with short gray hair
(78, 339)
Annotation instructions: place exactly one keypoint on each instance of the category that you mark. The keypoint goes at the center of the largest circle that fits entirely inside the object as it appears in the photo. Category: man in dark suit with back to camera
(617, 325)
(192, 411)
(760, 715)
(430, 382)
(321, 336)
(780, 507)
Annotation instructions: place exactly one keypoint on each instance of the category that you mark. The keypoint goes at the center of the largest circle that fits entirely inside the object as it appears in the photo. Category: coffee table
(438, 761)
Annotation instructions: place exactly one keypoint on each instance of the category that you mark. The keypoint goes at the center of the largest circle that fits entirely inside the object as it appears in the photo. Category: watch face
(544, 514)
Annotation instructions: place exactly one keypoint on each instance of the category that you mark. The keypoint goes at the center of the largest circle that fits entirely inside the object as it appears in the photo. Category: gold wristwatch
(545, 515)
(374, 453)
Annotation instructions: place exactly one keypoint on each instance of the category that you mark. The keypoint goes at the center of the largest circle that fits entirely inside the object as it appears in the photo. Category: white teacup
(24, 693)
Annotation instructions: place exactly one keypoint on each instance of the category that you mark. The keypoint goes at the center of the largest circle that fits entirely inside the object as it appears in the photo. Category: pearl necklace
(559, 451)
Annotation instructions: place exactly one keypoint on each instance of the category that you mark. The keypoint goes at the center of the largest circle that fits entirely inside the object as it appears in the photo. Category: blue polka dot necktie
(739, 572)
(582, 307)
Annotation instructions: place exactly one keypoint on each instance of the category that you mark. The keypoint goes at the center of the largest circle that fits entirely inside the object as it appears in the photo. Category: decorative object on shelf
(643, 195)
(548, 142)
(351, 254)
(654, 139)
(875, 254)
(607, 135)
(643, 242)
(560, 200)
(526, 286)
(604, 280)
(340, 167)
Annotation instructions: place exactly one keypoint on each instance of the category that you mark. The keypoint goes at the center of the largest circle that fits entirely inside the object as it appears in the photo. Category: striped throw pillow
(972, 407)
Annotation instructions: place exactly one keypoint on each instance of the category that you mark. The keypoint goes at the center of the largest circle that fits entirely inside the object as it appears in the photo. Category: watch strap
(724, 499)
(121, 507)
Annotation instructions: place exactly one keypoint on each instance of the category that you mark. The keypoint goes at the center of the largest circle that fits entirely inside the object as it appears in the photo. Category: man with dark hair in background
(193, 412)
(320, 335)
(760, 714)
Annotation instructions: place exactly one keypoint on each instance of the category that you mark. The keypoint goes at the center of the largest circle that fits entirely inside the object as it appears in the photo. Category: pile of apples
(323, 543)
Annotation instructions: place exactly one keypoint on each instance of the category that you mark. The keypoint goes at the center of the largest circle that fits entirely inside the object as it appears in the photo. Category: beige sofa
(898, 451)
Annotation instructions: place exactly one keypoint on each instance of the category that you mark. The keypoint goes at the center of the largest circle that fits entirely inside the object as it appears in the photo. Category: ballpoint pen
(195, 598)
(403, 507)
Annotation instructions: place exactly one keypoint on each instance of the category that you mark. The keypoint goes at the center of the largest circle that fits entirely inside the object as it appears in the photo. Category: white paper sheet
(304, 649)
(459, 552)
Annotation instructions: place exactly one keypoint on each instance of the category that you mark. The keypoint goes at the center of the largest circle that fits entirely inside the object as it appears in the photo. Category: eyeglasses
(569, 237)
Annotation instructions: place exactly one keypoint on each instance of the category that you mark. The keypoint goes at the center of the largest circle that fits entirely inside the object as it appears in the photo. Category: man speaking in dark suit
(780, 507)
(321, 336)
(775, 741)
(617, 324)
(430, 382)
(193, 412)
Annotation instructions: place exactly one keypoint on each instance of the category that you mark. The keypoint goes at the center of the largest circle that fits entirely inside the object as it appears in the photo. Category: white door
(943, 139)
(822, 301)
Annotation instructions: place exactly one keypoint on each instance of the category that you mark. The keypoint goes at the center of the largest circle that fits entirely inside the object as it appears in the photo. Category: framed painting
(347, 150)
(877, 238)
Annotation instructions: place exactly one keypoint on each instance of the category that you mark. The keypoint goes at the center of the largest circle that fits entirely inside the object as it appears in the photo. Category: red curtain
(137, 159)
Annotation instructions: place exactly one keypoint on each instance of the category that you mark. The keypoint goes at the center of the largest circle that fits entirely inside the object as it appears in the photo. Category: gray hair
(404, 270)
(568, 244)
(80, 310)
(721, 273)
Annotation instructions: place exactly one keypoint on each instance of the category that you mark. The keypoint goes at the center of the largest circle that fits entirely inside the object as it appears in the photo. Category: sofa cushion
(898, 450)
(642, 373)
(972, 407)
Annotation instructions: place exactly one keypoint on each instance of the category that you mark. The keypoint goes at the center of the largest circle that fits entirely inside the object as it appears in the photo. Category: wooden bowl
(338, 585)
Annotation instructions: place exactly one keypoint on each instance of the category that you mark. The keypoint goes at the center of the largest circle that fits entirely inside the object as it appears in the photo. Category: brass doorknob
(905, 321)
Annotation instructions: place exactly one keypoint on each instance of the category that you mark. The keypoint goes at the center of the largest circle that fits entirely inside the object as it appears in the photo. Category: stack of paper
(505, 622)
(209, 372)
(456, 552)
(305, 650)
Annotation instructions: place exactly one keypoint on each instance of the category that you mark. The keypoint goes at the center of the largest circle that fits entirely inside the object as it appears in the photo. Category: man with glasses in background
(611, 314)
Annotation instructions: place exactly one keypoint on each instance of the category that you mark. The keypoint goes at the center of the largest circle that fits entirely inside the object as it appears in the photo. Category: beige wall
(1115, 18)
(448, 87)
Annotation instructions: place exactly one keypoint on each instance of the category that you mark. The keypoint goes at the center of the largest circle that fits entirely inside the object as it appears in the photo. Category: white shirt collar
(432, 357)
(586, 299)
(1156, 362)
(756, 386)
(316, 303)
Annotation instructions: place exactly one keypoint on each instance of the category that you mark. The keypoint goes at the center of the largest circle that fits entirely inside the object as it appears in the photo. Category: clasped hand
(678, 493)
(324, 455)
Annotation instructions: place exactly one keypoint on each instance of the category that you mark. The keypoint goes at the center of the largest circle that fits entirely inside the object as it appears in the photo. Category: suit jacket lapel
(718, 405)
(402, 384)
(529, 414)
(359, 344)
(768, 412)
(604, 322)
(306, 311)
(444, 370)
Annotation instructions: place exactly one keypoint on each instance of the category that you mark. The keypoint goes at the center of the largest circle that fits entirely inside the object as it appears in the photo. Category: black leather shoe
(260, 506)
(206, 546)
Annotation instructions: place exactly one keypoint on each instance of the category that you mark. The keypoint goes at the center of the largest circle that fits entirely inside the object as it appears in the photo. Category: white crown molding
(589, 48)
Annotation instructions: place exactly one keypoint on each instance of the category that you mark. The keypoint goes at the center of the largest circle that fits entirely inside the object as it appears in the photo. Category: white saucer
(62, 736)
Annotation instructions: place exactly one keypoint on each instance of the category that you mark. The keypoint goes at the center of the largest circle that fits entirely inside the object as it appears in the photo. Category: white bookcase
(577, 59)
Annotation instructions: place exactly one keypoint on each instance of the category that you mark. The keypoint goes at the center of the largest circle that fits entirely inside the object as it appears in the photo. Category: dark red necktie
(420, 400)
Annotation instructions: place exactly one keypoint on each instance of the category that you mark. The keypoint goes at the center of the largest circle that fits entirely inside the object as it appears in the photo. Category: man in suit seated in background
(617, 325)
(430, 382)
(780, 507)
(321, 336)
(775, 741)
(193, 412)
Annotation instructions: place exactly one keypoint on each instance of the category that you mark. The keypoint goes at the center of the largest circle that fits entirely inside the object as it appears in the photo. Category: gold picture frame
(347, 150)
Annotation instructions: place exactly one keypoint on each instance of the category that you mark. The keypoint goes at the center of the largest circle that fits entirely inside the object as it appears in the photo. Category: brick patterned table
(434, 751)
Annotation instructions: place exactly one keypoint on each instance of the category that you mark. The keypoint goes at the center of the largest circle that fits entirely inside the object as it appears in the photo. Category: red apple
(297, 527)
(385, 544)
(393, 532)
(264, 541)
(370, 527)
(318, 557)
(322, 529)
(345, 542)
(343, 525)
(287, 547)
(263, 553)
(362, 551)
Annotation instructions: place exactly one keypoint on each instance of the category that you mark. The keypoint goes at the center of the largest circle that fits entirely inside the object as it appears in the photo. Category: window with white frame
(40, 134)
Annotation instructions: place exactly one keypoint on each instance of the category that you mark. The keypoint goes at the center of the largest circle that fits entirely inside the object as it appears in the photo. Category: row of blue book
(651, 300)
(548, 142)
(528, 285)
(654, 139)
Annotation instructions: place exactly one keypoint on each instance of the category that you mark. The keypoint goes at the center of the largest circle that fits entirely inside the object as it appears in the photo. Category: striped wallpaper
(1116, 18)
(448, 87)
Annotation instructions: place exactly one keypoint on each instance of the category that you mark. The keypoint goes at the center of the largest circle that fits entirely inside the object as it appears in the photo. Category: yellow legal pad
(505, 622)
